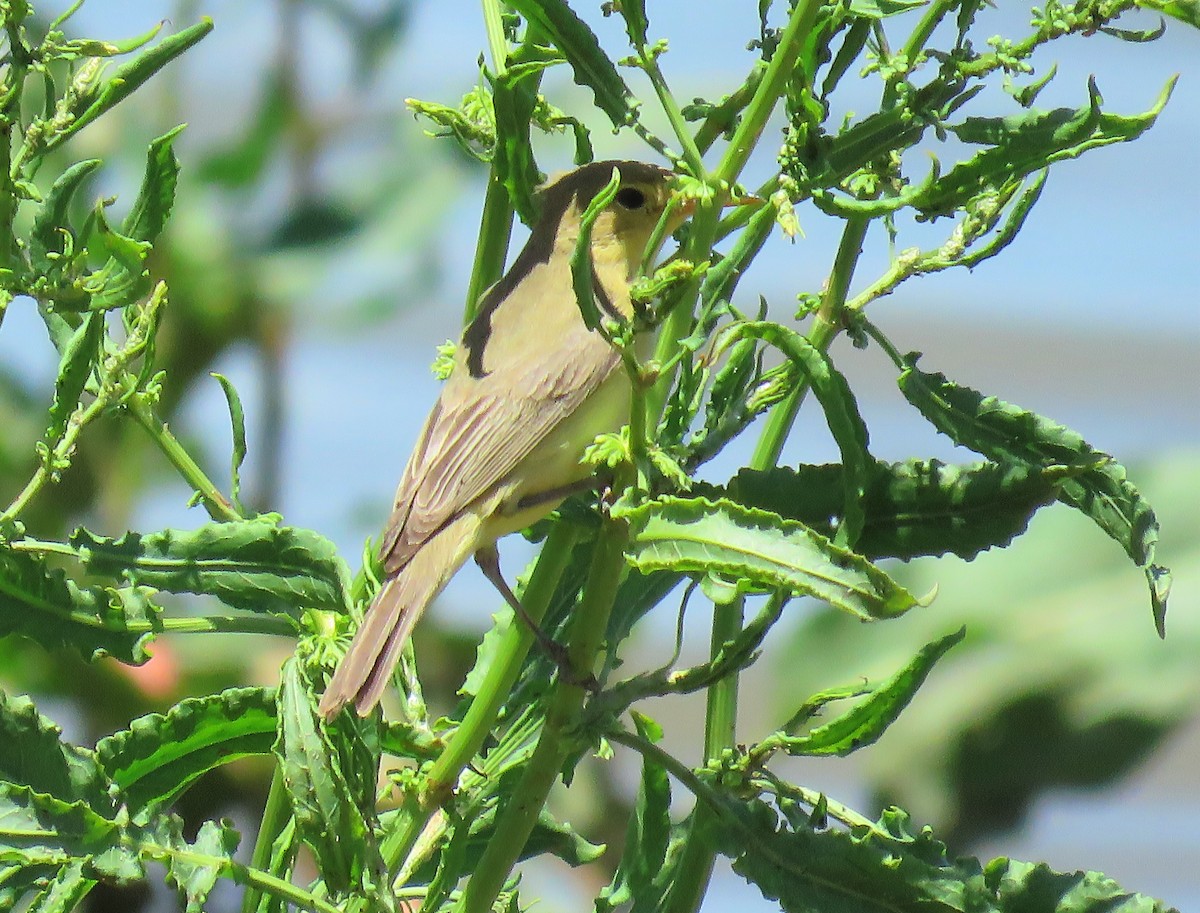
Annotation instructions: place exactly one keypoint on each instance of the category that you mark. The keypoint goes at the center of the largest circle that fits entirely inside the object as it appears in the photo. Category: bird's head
(622, 230)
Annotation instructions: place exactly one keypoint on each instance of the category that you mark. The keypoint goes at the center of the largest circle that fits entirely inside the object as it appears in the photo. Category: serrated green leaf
(50, 223)
(256, 564)
(195, 880)
(42, 604)
(1101, 489)
(577, 42)
(1026, 143)
(327, 817)
(914, 508)
(887, 867)
(64, 892)
(696, 535)
(636, 21)
(867, 721)
(36, 829)
(161, 755)
(33, 754)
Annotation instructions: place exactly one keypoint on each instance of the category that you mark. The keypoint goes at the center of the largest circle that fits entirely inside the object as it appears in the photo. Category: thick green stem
(497, 683)
(495, 231)
(276, 814)
(694, 870)
(773, 85)
(826, 324)
(520, 813)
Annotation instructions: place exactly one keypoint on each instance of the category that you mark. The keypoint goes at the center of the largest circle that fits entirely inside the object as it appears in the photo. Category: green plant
(470, 800)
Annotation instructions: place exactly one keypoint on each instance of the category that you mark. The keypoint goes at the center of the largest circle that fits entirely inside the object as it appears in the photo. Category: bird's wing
(534, 376)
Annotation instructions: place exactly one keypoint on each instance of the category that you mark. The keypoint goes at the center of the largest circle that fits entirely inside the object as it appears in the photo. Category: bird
(531, 387)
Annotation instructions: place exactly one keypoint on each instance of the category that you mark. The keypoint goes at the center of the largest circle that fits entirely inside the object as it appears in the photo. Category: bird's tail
(364, 672)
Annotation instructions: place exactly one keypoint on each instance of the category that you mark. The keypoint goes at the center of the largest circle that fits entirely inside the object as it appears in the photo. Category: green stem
(495, 231)
(691, 153)
(497, 683)
(215, 503)
(276, 814)
(773, 85)
(826, 324)
(520, 813)
(241, 874)
(57, 457)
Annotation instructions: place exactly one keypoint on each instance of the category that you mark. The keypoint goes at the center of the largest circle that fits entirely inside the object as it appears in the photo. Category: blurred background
(320, 249)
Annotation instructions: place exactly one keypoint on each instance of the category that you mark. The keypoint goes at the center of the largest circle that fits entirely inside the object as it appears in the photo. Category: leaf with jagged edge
(33, 754)
(194, 879)
(912, 508)
(578, 43)
(693, 535)
(1101, 490)
(41, 603)
(62, 893)
(256, 564)
(41, 830)
(161, 755)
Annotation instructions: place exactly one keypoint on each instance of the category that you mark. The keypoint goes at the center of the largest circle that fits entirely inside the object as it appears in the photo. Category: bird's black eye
(630, 198)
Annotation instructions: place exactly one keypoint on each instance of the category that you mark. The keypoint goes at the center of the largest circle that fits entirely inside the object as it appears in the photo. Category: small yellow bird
(532, 386)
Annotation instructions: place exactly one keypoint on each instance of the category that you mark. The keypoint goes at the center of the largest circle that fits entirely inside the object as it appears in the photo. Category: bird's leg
(488, 559)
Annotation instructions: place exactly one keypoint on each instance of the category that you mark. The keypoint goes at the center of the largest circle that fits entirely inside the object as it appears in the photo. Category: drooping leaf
(769, 552)
(1100, 488)
(50, 224)
(1184, 10)
(42, 604)
(868, 720)
(161, 755)
(237, 420)
(254, 564)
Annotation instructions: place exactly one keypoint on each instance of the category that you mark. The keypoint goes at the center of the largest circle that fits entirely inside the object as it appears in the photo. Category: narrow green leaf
(914, 508)
(578, 43)
(254, 564)
(33, 754)
(160, 755)
(124, 278)
(582, 267)
(636, 21)
(130, 76)
(326, 815)
(41, 603)
(639, 875)
(156, 197)
(881, 9)
(237, 419)
(696, 535)
(1100, 489)
(1028, 142)
(841, 414)
(78, 358)
(867, 721)
(50, 224)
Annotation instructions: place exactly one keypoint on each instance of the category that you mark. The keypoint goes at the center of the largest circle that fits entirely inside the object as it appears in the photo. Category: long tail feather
(364, 673)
